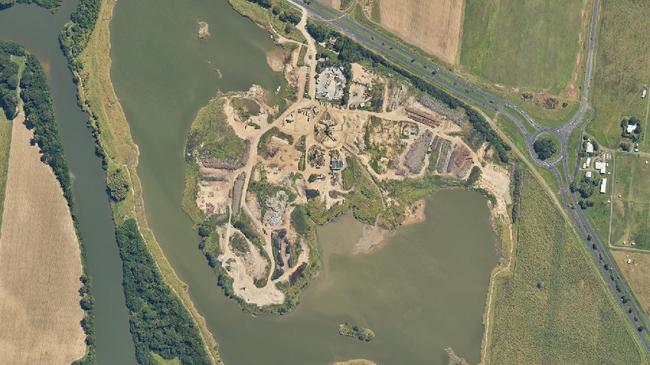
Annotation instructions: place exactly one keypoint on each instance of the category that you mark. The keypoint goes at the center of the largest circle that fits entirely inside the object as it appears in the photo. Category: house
(603, 186)
(631, 128)
(601, 166)
(587, 163)
(590, 147)
(588, 174)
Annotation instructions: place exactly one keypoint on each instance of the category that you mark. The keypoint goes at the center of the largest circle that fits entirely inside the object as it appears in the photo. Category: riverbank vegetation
(50, 201)
(87, 47)
(47, 4)
(159, 322)
(554, 296)
(277, 16)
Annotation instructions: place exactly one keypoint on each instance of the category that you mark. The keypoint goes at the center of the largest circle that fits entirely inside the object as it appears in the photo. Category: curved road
(528, 127)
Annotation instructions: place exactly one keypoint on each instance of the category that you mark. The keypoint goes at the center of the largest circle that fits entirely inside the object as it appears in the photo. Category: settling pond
(421, 293)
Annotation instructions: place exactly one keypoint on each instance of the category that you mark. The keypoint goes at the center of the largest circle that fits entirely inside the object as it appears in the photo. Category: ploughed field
(435, 26)
(40, 263)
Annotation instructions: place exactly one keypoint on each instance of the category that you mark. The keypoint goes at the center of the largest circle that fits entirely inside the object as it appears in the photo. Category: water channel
(424, 291)
(37, 30)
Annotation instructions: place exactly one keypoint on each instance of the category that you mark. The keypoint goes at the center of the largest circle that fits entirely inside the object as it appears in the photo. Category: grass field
(528, 44)
(554, 308)
(5, 142)
(40, 263)
(636, 273)
(98, 95)
(632, 209)
(622, 68)
(435, 26)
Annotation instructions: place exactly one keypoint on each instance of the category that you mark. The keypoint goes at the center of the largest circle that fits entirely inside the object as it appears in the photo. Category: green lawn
(529, 44)
(622, 68)
(554, 308)
(632, 209)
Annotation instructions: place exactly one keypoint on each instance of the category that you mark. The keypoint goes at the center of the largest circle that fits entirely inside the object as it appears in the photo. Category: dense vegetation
(47, 4)
(350, 51)
(117, 184)
(158, 321)
(39, 115)
(554, 308)
(8, 84)
(545, 147)
(75, 35)
(354, 331)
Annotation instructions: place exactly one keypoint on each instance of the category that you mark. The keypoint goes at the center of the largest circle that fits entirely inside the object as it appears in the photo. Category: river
(423, 292)
(37, 30)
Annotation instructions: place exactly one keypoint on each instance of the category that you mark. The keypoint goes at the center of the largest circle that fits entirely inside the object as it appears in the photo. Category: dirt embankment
(40, 264)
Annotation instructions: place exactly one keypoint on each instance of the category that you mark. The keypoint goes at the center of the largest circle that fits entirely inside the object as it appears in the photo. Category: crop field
(5, 142)
(635, 267)
(631, 202)
(40, 264)
(528, 44)
(622, 68)
(435, 26)
(553, 308)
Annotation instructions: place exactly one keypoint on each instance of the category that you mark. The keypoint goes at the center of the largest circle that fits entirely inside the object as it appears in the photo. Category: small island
(354, 331)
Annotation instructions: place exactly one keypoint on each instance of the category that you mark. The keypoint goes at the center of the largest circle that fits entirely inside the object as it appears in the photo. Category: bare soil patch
(433, 25)
(40, 264)
(635, 267)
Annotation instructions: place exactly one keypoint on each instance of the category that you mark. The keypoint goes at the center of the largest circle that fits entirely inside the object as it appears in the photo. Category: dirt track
(40, 264)
(432, 25)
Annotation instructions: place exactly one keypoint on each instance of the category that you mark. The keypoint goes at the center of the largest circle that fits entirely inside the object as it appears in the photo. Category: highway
(439, 76)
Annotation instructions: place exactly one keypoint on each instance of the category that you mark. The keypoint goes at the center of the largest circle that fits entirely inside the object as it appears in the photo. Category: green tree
(545, 147)
(117, 185)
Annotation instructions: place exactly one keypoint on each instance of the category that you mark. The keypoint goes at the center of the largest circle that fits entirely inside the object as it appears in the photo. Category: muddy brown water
(423, 292)
(37, 30)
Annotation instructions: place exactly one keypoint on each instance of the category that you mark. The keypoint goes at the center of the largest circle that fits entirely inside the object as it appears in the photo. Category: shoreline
(106, 117)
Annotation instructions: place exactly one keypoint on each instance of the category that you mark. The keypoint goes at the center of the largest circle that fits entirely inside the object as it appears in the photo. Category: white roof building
(588, 174)
(590, 147)
(631, 128)
(603, 186)
(601, 166)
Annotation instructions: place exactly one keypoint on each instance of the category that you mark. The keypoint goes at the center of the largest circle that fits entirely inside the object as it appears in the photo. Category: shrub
(117, 185)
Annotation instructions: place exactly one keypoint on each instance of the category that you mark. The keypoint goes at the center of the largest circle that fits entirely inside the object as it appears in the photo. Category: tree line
(47, 4)
(159, 323)
(75, 35)
(350, 51)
